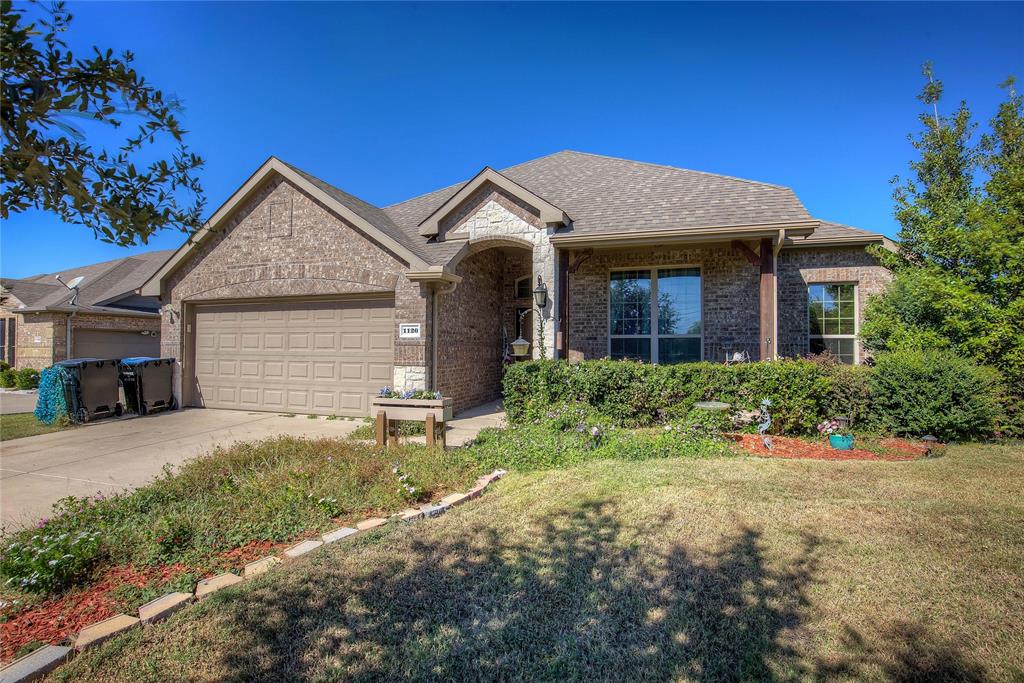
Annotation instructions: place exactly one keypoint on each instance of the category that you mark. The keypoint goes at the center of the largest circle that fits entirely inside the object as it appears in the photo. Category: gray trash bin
(90, 388)
(147, 384)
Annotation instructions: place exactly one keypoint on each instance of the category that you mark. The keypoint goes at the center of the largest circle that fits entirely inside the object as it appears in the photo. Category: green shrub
(933, 392)
(45, 561)
(640, 394)
(4, 365)
(7, 378)
(26, 378)
(802, 393)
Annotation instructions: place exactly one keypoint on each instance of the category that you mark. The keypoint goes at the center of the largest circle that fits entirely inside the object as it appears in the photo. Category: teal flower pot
(841, 442)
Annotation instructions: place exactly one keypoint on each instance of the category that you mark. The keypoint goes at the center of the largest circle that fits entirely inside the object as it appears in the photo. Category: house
(40, 318)
(297, 296)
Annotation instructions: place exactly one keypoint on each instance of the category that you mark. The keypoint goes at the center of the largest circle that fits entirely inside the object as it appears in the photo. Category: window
(655, 315)
(523, 290)
(832, 310)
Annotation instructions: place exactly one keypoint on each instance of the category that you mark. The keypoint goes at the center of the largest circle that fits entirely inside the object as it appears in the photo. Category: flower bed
(789, 447)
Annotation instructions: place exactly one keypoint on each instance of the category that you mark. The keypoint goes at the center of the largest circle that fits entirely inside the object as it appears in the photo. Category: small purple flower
(42, 522)
(437, 395)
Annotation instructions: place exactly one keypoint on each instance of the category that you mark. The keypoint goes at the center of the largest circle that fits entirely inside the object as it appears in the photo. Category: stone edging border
(40, 662)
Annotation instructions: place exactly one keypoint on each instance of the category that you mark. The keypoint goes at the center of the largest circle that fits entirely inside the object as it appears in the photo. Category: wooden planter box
(413, 409)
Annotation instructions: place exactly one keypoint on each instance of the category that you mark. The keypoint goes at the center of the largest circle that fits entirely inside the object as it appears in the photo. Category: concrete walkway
(467, 424)
(114, 455)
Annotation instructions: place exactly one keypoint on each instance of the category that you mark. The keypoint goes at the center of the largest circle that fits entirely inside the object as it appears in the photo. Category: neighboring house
(300, 297)
(108, 319)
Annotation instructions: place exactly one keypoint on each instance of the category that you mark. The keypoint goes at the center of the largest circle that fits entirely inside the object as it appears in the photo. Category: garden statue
(766, 422)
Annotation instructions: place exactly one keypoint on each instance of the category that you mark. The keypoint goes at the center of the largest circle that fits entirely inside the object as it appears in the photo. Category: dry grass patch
(718, 569)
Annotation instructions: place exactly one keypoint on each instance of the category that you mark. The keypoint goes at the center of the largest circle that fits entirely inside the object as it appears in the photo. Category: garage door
(323, 357)
(113, 344)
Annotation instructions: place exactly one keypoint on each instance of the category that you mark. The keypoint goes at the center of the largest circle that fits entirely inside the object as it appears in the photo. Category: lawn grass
(671, 569)
(20, 425)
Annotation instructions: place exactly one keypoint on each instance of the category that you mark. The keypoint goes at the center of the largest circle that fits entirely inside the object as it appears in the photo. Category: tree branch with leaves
(49, 165)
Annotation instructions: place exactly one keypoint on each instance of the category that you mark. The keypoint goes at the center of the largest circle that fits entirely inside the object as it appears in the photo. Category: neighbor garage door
(324, 357)
(113, 344)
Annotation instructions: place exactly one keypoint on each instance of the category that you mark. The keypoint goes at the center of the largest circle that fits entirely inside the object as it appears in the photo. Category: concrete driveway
(114, 455)
(17, 401)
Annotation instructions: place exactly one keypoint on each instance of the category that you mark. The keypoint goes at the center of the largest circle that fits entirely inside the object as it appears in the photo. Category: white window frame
(653, 336)
(856, 317)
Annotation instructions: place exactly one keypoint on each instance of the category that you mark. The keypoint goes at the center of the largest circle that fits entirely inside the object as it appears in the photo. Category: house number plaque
(409, 330)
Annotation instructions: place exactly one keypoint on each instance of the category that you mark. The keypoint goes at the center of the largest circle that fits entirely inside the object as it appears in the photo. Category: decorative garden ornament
(765, 424)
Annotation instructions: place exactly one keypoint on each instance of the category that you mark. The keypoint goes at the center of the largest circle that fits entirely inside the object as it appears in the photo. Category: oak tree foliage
(50, 99)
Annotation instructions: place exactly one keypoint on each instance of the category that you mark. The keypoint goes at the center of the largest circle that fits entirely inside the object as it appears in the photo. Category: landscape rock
(163, 607)
(208, 587)
(35, 664)
(300, 549)
(101, 631)
(261, 566)
(338, 534)
(371, 523)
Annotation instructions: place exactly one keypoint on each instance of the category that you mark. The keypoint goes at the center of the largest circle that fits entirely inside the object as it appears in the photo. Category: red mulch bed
(788, 447)
(58, 618)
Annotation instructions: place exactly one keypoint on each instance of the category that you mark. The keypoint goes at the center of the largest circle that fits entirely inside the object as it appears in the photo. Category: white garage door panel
(113, 344)
(327, 357)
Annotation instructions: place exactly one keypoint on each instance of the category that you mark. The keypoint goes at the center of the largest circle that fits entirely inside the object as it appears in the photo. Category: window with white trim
(654, 315)
(832, 314)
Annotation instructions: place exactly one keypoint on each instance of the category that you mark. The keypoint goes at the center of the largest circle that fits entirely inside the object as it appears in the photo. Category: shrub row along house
(299, 296)
(103, 317)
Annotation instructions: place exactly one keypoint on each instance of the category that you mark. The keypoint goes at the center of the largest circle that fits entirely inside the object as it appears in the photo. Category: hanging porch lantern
(520, 347)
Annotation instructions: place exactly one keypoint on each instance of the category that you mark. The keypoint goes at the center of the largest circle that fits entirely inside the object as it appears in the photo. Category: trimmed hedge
(802, 392)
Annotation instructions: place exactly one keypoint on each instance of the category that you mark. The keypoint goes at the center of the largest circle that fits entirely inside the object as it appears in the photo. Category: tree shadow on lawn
(583, 601)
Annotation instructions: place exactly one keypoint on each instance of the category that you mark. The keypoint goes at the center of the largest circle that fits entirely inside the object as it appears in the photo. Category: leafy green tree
(48, 97)
(959, 270)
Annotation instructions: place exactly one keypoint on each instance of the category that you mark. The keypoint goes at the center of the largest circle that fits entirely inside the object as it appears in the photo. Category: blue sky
(388, 101)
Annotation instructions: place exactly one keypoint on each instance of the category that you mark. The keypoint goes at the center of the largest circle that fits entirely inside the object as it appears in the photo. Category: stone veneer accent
(317, 253)
(490, 213)
(799, 268)
(730, 294)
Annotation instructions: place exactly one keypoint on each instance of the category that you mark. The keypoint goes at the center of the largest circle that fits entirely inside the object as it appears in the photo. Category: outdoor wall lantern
(540, 295)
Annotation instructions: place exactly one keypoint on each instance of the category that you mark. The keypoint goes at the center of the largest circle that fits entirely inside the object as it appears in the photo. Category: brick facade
(729, 294)
(799, 268)
(284, 243)
(469, 347)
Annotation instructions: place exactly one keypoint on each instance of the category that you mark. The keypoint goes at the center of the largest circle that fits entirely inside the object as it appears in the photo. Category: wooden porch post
(562, 323)
(767, 301)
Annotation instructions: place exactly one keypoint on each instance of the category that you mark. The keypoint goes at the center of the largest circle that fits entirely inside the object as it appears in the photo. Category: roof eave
(711, 233)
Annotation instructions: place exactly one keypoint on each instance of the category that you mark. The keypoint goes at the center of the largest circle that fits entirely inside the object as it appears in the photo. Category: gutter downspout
(432, 385)
(67, 335)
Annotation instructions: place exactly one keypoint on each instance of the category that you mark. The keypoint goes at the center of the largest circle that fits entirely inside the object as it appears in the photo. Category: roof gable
(364, 216)
(549, 213)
